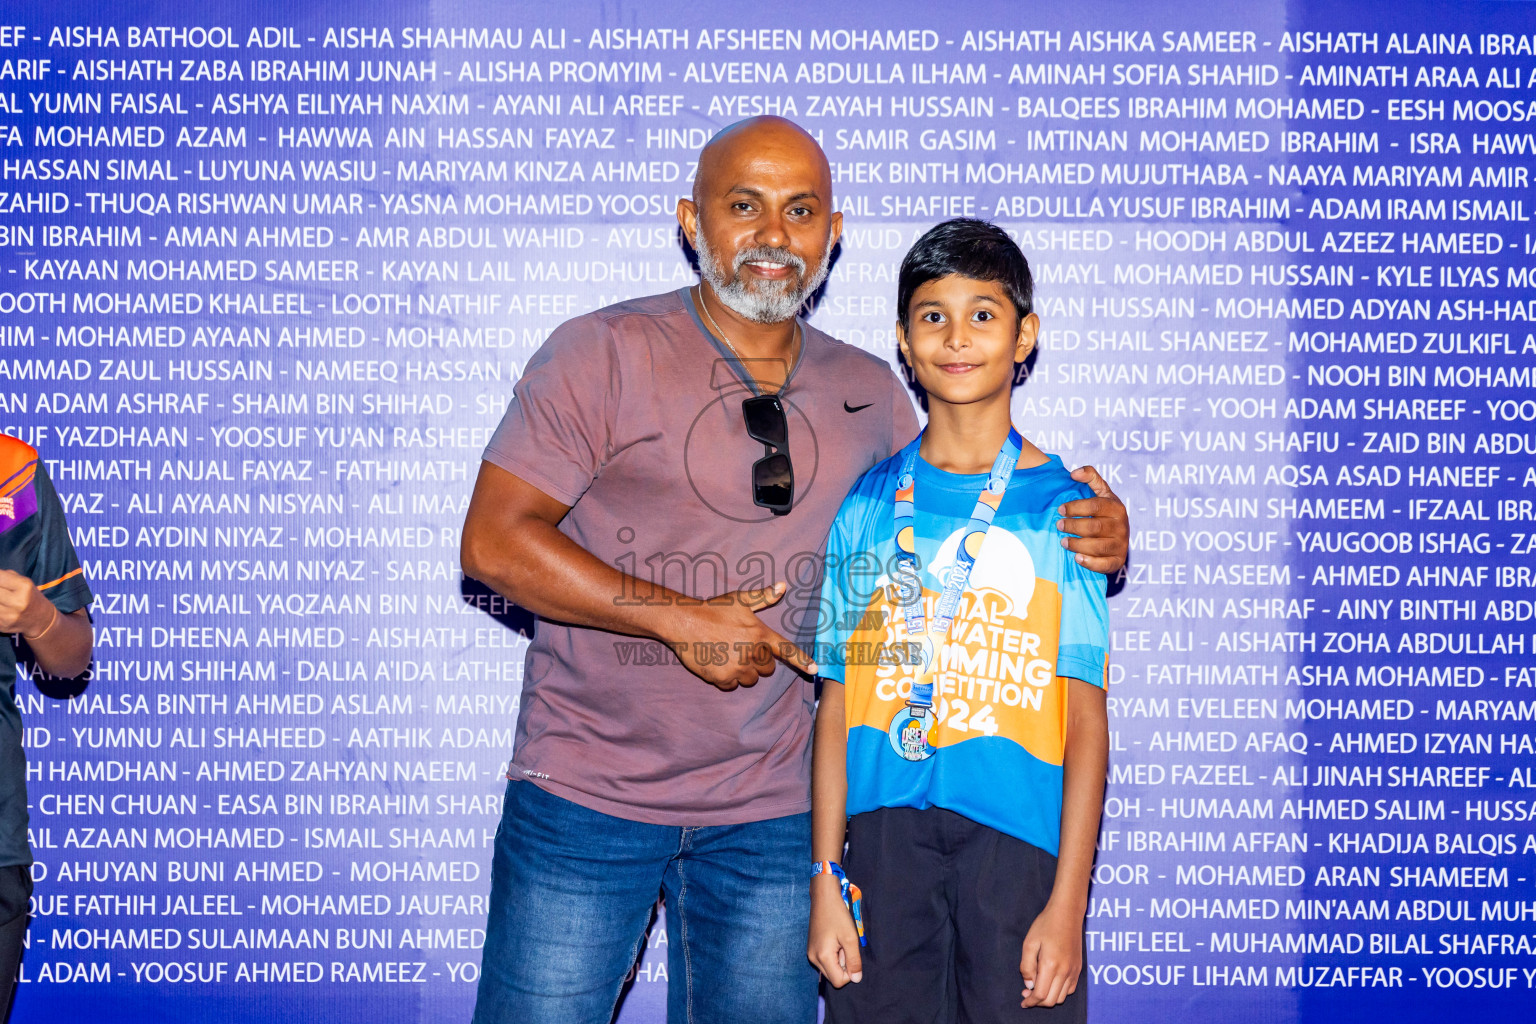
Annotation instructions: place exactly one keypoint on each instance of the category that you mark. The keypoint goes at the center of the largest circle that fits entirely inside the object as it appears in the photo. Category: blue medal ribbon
(909, 729)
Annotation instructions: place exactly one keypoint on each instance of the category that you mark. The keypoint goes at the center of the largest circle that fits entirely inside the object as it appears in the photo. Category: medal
(909, 732)
(912, 730)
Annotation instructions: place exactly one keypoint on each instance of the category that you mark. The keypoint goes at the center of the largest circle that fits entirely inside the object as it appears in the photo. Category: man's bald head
(761, 218)
(767, 137)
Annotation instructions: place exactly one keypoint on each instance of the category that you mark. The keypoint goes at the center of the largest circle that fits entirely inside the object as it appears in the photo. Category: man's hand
(23, 608)
(833, 946)
(513, 543)
(1053, 957)
(1098, 530)
(724, 643)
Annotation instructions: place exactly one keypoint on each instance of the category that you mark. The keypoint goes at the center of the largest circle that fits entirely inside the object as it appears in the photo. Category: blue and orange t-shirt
(1029, 619)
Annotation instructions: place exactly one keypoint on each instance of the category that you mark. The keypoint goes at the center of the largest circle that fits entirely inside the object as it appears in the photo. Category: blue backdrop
(270, 272)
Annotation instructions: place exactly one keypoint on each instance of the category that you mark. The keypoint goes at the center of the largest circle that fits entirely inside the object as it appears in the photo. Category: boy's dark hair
(970, 248)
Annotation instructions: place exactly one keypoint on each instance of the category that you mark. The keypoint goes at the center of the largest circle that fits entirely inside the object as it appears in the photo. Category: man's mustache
(768, 254)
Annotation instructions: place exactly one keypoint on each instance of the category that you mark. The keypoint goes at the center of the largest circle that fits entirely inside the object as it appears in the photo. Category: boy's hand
(1098, 529)
(833, 946)
(1053, 957)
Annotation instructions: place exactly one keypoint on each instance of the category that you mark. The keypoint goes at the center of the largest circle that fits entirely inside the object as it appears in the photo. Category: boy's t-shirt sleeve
(1084, 645)
(833, 605)
(55, 567)
(558, 429)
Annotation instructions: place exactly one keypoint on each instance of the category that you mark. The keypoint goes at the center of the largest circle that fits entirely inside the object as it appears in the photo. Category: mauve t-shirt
(632, 416)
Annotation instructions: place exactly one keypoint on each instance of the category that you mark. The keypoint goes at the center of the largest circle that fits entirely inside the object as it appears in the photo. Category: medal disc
(909, 733)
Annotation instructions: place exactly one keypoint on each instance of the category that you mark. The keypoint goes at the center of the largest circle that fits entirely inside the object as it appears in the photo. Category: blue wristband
(853, 899)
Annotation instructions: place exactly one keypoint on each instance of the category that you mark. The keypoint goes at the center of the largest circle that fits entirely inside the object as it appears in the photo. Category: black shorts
(947, 903)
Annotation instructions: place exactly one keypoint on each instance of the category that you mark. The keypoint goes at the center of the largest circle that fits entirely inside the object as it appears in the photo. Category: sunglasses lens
(765, 420)
(773, 482)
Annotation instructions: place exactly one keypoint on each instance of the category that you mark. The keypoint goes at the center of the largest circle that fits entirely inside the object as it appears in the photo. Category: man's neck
(965, 439)
(750, 339)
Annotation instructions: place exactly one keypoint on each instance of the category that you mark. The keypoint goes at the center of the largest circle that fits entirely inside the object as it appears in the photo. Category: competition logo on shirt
(18, 500)
(995, 674)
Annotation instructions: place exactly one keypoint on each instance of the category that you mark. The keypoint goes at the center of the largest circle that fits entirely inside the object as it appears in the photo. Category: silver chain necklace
(721, 334)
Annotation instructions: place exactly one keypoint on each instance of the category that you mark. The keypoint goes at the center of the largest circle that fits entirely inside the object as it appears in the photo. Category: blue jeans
(571, 895)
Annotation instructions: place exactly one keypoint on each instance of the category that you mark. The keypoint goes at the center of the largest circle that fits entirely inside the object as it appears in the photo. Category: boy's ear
(1029, 333)
(901, 342)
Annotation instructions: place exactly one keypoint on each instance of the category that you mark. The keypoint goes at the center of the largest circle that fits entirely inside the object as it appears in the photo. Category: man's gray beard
(770, 302)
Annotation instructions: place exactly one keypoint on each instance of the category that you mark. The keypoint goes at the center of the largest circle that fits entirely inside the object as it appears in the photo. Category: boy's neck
(965, 439)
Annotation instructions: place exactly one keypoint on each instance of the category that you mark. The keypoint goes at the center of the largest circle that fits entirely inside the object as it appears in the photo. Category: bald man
(657, 494)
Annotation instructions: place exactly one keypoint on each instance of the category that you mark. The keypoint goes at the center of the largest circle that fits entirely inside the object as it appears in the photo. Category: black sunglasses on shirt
(773, 475)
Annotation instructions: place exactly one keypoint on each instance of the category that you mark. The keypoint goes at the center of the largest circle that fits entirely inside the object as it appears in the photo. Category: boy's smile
(964, 339)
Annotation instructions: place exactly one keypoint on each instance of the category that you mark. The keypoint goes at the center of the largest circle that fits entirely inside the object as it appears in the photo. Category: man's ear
(1029, 333)
(688, 220)
(836, 231)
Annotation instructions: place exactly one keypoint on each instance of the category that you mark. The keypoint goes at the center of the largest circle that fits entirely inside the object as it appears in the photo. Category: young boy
(966, 733)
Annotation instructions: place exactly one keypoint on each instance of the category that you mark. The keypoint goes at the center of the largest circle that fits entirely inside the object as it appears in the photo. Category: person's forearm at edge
(65, 650)
(1084, 766)
(60, 642)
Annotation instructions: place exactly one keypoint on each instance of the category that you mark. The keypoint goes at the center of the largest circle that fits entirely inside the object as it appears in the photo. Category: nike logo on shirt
(855, 408)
